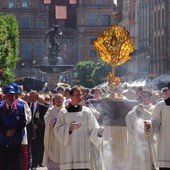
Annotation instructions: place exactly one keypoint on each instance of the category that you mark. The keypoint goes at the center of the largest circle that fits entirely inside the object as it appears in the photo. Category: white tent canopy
(148, 82)
(137, 83)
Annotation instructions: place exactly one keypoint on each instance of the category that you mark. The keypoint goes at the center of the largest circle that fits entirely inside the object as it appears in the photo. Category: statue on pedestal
(53, 45)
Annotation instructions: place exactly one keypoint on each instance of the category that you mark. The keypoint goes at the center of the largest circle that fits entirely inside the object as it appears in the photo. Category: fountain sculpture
(54, 64)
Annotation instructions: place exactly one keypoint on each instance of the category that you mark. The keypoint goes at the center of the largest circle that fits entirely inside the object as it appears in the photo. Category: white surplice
(51, 144)
(161, 126)
(75, 147)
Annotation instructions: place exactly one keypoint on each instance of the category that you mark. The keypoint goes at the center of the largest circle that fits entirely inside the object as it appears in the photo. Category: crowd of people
(59, 129)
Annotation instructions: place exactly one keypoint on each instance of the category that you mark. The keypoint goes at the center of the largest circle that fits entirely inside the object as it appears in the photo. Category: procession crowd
(59, 129)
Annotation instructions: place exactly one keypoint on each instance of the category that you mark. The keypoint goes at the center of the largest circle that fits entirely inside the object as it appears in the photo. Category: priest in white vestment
(160, 125)
(76, 127)
(51, 145)
(97, 161)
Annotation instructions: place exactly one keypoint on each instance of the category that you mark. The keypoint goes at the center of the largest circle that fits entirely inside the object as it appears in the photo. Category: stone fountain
(53, 72)
(53, 65)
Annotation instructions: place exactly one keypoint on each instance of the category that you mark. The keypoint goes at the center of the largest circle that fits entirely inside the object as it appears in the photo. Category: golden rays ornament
(114, 47)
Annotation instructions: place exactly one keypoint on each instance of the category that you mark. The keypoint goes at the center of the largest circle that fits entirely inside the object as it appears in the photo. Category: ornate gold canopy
(114, 46)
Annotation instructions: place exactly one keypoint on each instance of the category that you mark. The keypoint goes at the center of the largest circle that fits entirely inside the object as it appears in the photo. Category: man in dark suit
(38, 112)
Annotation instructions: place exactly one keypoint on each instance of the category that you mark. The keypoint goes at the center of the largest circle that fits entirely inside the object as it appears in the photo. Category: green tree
(90, 74)
(121, 70)
(83, 73)
(9, 47)
(100, 72)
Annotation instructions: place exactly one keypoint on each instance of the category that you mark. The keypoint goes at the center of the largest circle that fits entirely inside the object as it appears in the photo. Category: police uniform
(12, 118)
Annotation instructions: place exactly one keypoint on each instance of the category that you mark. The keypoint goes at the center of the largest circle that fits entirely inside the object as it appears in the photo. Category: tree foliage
(9, 47)
(121, 70)
(90, 74)
(100, 72)
(83, 73)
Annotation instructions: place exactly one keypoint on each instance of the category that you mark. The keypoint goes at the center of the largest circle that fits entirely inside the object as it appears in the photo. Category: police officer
(12, 123)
